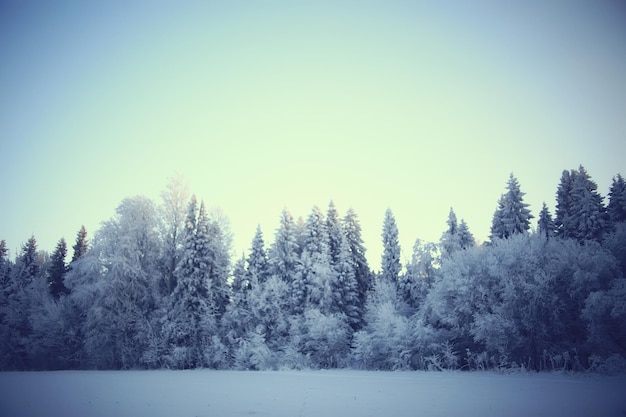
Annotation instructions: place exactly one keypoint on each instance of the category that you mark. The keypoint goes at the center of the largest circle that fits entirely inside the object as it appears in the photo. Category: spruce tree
(57, 270)
(466, 239)
(191, 317)
(390, 265)
(5, 266)
(335, 233)
(317, 274)
(258, 268)
(28, 264)
(498, 228)
(512, 216)
(450, 238)
(81, 246)
(545, 224)
(284, 252)
(345, 287)
(564, 204)
(356, 251)
(587, 218)
(617, 200)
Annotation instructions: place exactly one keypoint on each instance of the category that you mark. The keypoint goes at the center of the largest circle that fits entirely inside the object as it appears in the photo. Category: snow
(308, 393)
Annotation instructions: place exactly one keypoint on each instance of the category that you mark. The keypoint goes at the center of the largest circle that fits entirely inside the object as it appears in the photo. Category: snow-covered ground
(308, 393)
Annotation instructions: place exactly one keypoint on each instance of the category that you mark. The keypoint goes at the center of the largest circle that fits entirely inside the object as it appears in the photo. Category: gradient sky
(415, 106)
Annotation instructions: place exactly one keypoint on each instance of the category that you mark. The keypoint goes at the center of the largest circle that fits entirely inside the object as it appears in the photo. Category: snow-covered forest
(155, 287)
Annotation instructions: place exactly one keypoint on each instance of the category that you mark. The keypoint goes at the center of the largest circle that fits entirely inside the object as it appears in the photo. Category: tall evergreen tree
(284, 252)
(345, 287)
(172, 213)
(466, 238)
(5, 266)
(545, 224)
(587, 218)
(28, 265)
(335, 233)
(450, 238)
(390, 265)
(57, 270)
(617, 200)
(564, 203)
(316, 274)
(257, 269)
(191, 319)
(356, 250)
(81, 246)
(512, 216)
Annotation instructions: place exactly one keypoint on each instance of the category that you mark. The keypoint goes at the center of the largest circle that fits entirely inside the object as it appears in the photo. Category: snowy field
(308, 393)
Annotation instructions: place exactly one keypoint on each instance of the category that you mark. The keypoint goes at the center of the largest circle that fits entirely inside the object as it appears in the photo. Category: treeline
(155, 288)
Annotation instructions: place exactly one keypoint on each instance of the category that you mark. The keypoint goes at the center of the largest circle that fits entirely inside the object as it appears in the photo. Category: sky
(413, 106)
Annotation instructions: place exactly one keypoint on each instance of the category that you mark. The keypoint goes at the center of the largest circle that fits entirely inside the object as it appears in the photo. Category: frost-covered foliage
(155, 289)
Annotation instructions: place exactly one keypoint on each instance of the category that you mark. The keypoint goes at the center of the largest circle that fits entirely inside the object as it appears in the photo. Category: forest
(155, 287)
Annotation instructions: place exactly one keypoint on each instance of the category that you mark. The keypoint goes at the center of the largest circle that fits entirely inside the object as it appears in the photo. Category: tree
(191, 317)
(545, 224)
(390, 265)
(587, 217)
(420, 272)
(257, 270)
(451, 239)
(512, 216)
(335, 233)
(28, 264)
(119, 326)
(617, 200)
(284, 252)
(81, 246)
(345, 288)
(172, 212)
(5, 265)
(356, 250)
(564, 204)
(57, 270)
(466, 239)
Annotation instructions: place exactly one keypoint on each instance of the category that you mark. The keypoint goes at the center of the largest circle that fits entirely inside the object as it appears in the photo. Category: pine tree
(5, 266)
(356, 250)
(466, 239)
(28, 263)
(172, 213)
(57, 270)
(390, 265)
(81, 246)
(191, 318)
(317, 273)
(545, 224)
(284, 252)
(258, 267)
(564, 204)
(450, 238)
(617, 200)
(498, 227)
(587, 218)
(512, 216)
(345, 287)
(333, 226)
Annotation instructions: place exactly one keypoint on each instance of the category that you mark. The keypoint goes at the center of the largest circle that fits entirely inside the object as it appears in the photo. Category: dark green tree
(57, 270)
(512, 216)
(390, 265)
(81, 246)
(545, 224)
(617, 200)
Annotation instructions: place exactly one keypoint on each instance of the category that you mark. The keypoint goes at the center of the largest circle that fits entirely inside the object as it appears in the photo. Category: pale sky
(415, 106)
